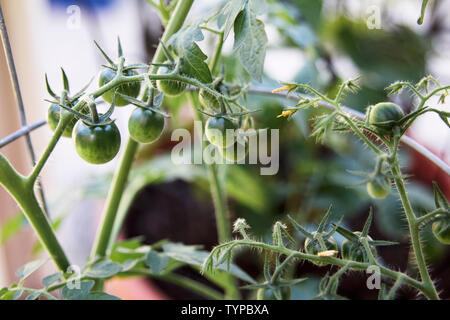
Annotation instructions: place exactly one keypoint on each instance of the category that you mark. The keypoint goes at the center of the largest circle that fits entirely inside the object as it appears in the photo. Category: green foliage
(192, 59)
(250, 42)
(400, 54)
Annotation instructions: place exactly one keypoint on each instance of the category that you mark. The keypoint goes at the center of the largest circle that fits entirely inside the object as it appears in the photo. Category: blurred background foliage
(311, 176)
(172, 202)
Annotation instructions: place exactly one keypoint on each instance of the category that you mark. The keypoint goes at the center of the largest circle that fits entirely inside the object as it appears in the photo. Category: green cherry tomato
(131, 89)
(268, 294)
(208, 100)
(170, 87)
(313, 247)
(53, 116)
(384, 116)
(145, 126)
(236, 152)
(216, 131)
(376, 189)
(352, 250)
(441, 230)
(96, 144)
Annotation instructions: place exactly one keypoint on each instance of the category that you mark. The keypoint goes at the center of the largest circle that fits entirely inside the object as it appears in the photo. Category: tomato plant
(219, 88)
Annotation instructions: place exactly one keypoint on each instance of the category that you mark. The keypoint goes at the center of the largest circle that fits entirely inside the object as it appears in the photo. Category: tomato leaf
(195, 257)
(192, 58)
(103, 269)
(250, 42)
(157, 262)
(25, 271)
(229, 14)
(47, 281)
(100, 296)
(78, 292)
(34, 296)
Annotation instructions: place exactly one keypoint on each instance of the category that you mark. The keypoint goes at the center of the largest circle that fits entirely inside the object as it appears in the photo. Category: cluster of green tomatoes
(98, 141)
(97, 138)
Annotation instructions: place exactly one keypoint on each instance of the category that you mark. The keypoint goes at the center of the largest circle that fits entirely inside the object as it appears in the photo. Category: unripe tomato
(267, 294)
(376, 189)
(441, 230)
(131, 89)
(352, 250)
(170, 87)
(384, 116)
(208, 100)
(96, 144)
(145, 126)
(236, 152)
(216, 131)
(313, 247)
(53, 117)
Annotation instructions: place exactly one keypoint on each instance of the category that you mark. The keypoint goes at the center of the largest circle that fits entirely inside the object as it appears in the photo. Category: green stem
(113, 199)
(219, 198)
(359, 132)
(217, 53)
(23, 193)
(121, 175)
(433, 214)
(220, 204)
(414, 228)
(175, 23)
(425, 289)
(50, 147)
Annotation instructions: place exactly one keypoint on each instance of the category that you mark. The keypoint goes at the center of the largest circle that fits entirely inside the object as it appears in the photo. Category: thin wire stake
(21, 132)
(18, 96)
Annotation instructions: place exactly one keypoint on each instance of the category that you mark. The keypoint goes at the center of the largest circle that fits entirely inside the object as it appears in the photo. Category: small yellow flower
(285, 113)
(328, 253)
(285, 88)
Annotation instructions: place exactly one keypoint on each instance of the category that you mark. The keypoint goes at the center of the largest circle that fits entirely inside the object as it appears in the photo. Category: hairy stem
(219, 198)
(424, 288)
(113, 199)
(220, 204)
(23, 193)
(414, 229)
